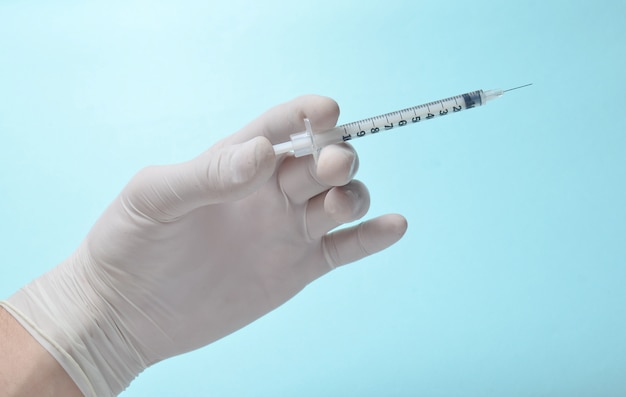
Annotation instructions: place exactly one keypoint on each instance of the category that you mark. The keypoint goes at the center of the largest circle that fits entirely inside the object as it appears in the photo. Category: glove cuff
(66, 361)
(66, 315)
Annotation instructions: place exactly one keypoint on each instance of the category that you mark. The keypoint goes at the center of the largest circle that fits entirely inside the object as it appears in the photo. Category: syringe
(308, 142)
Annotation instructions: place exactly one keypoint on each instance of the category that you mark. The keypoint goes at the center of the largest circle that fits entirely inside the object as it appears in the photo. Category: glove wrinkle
(330, 252)
(214, 175)
(360, 239)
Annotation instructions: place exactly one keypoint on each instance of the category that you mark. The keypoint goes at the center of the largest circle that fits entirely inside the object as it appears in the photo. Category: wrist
(67, 312)
(26, 368)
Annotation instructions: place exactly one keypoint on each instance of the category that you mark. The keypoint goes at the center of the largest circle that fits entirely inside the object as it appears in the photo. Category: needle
(515, 88)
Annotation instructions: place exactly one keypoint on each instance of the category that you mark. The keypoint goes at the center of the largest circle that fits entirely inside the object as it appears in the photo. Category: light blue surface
(511, 278)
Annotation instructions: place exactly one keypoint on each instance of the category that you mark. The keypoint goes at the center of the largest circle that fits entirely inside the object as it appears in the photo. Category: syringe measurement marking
(417, 117)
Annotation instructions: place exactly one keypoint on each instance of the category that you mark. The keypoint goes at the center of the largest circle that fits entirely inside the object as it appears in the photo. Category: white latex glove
(191, 252)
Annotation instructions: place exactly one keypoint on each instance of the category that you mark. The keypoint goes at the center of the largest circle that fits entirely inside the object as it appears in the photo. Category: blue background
(511, 277)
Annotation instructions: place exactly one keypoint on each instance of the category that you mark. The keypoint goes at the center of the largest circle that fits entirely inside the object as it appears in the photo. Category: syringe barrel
(400, 118)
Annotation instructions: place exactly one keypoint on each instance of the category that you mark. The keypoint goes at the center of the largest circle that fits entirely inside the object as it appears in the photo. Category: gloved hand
(191, 252)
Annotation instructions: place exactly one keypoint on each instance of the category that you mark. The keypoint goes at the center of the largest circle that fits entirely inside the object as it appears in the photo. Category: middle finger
(301, 178)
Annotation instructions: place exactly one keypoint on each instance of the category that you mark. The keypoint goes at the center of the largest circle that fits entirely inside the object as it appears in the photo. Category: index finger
(279, 122)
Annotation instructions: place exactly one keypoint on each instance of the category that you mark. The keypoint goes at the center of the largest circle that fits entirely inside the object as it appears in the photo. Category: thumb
(222, 173)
